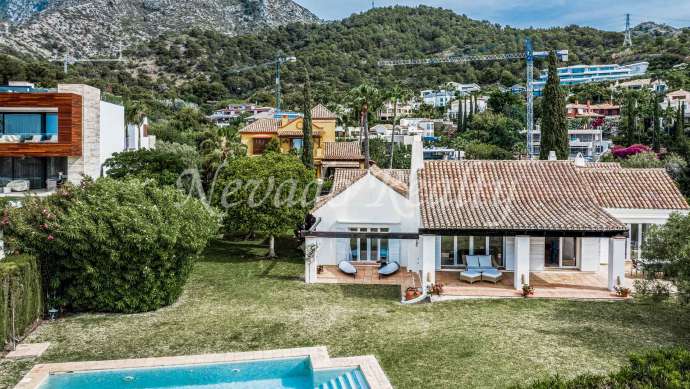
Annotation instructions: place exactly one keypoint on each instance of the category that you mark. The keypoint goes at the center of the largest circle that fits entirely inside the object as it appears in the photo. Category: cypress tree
(460, 117)
(656, 127)
(307, 146)
(554, 128)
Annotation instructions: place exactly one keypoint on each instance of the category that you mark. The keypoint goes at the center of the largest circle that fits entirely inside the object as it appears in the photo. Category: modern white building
(464, 89)
(437, 98)
(51, 135)
(657, 86)
(138, 136)
(452, 112)
(522, 217)
(588, 142)
(388, 112)
(580, 74)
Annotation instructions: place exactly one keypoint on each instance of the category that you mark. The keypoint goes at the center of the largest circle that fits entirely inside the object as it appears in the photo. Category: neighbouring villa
(286, 127)
(566, 227)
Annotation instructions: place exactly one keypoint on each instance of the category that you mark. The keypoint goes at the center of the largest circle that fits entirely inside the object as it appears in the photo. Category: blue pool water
(292, 373)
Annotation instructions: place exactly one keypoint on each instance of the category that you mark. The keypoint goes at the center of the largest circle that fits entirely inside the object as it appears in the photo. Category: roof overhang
(513, 232)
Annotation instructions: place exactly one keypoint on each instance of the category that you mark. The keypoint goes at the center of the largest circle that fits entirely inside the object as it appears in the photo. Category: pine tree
(554, 128)
(307, 141)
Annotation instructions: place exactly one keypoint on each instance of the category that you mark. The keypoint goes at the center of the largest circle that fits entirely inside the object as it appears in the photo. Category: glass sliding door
(373, 246)
(354, 247)
(463, 250)
(552, 253)
(569, 252)
(496, 250)
(479, 245)
(384, 253)
(447, 251)
(363, 247)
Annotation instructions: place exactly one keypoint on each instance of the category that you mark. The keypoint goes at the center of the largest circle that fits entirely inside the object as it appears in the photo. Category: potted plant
(620, 290)
(527, 290)
(319, 269)
(436, 289)
(412, 293)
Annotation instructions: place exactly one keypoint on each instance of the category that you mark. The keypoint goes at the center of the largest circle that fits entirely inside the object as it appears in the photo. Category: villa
(567, 226)
(581, 74)
(287, 129)
(47, 135)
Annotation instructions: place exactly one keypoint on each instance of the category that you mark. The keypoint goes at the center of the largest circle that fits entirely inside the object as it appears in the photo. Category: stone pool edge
(368, 364)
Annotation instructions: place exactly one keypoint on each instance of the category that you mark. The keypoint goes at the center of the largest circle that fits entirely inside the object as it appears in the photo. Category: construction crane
(278, 63)
(528, 55)
(70, 60)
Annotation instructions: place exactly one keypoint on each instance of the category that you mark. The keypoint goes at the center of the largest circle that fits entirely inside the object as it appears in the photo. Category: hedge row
(20, 285)
(663, 368)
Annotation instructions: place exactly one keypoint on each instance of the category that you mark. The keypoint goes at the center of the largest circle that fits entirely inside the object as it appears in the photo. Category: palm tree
(365, 98)
(397, 94)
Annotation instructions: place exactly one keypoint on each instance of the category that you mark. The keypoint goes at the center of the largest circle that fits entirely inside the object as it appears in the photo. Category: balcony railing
(28, 138)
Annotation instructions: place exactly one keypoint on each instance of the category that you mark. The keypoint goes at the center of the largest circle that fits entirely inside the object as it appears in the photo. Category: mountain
(100, 27)
(655, 29)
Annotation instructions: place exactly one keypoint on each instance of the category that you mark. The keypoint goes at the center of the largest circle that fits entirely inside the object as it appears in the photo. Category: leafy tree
(273, 146)
(486, 151)
(670, 244)
(307, 142)
(164, 164)
(217, 146)
(366, 99)
(397, 94)
(11, 69)
(554, 132)
(270, 193)
(402, 154)
(113, 245)
(495, 129)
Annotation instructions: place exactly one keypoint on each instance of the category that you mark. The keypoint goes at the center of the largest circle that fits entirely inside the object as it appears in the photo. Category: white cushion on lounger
(491, 272)
(471, 273)
(472, 261)
(346, 267)
(484, 261)
(389, 269)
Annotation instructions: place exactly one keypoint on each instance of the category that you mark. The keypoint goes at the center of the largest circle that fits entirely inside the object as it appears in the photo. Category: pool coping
(318, 356)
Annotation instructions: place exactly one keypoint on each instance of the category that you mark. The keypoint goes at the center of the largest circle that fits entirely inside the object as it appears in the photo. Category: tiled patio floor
(551, 284)
(572, 284)
(368, 274)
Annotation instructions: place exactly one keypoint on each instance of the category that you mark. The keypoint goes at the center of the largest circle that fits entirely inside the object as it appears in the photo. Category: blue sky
(607, 15)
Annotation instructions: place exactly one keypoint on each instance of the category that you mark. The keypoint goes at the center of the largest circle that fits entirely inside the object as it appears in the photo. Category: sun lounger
(389, 269)
(492, 275)
(347, 268)
(470, 276)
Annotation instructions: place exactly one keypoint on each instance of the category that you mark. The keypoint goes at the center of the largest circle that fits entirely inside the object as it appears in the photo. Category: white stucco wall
(646, 216)
(112, 130)
(589, 255)
(367, 203)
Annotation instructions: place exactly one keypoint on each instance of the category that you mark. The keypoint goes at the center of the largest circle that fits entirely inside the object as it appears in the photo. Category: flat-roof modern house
(567, 226)
(47, 134)
(581, 74)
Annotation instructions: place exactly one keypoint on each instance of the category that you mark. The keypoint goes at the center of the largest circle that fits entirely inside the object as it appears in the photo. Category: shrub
(113, 246)
(624, 152)
(664, 368)
(670, 244)
(486, 151)
(644, 160)
(20, 286)
(654, 290)
(164, 164)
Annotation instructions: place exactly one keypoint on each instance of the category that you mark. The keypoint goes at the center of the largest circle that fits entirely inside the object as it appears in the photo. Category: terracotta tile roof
(261, 125)
(342, 151)
(634, 188)
(509, 195)
(298, 133)
(604, 165)
(397, 179)
(321, 112)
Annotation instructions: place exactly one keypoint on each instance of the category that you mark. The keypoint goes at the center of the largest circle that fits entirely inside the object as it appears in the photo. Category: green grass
(235, 301)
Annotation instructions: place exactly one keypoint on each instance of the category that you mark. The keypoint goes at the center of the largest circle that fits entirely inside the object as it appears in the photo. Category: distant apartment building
(224, 116)
(580, 74)
(677, 99)
(588, 110)
(657, 86)
(48, 136)
(589, 142)
(481, 101)
(463, 89)
(388, 111)
(437, 98)
(417, 126)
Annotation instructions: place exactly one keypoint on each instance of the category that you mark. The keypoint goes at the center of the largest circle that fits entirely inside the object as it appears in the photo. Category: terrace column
(310, 262)
(428, 259)
(616, 265)
(521, 273)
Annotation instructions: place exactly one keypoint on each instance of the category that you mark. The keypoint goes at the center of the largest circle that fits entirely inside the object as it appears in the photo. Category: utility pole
(628, 34)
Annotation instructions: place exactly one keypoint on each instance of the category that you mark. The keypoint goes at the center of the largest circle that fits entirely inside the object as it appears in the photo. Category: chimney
(552, 155)
(416, 164)
(580, 160)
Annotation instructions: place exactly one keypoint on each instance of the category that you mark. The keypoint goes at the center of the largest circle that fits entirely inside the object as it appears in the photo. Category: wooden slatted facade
(69, 108)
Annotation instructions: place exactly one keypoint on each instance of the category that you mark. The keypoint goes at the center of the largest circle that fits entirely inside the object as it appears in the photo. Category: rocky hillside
(100, 27)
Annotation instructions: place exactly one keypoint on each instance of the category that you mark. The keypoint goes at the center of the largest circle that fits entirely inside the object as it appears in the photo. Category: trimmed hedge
(663, 368)
(20, 283)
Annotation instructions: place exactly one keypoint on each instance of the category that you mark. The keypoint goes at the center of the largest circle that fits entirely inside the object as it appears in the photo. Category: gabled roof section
(634, 188)
(261, 125)
(321, 112)
(534, 196)
(342, 151)
(396, 179)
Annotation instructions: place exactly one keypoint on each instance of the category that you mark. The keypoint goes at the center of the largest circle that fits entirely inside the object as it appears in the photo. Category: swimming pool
(307, 368)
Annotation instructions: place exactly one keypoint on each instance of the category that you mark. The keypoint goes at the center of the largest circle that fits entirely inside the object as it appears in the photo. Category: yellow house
(288, 131)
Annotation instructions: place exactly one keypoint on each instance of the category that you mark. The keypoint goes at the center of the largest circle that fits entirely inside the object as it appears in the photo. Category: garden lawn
(235, 301)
